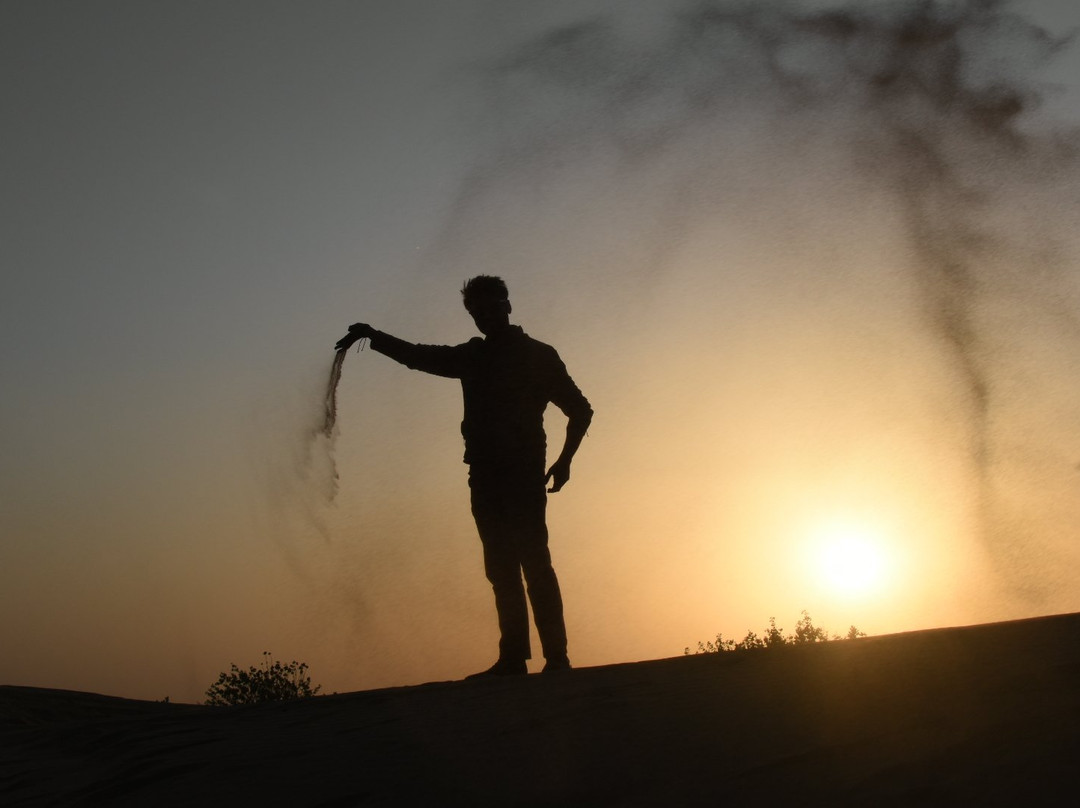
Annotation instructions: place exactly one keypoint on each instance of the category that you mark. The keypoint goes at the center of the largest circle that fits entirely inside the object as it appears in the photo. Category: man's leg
(543, 585)
(501, 565)
(546, 599)
(504, 572)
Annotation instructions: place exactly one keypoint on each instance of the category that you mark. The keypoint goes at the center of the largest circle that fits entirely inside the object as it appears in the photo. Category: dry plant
(805, 632)
(273, 681)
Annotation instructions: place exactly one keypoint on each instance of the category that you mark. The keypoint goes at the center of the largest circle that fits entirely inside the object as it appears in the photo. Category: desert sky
(815, 265)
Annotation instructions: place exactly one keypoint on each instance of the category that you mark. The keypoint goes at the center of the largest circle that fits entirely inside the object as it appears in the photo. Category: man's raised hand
(357, 331)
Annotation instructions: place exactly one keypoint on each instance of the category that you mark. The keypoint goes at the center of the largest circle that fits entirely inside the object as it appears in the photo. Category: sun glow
(850, 559)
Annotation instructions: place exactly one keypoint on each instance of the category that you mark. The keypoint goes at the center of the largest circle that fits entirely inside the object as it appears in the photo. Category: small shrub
(711, 647)
(805, 632)
(271, 682)
(853, 633)
(750, 641)
(774, 636)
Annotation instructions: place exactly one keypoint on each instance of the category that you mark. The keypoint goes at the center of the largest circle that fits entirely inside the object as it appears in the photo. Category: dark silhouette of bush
(272, 682)
(805, 632)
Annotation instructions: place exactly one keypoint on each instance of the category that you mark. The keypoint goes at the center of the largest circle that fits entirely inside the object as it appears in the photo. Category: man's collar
(511, 332)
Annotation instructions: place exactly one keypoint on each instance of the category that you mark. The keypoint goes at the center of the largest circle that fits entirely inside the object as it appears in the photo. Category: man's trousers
(509, 504)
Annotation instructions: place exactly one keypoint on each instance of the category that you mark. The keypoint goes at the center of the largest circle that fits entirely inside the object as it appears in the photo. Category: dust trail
(330, 399)
(297, 478)
(298, 469)
(296, 512)
(316, 468)
(309, 480)
(930, 101)
(944, 136)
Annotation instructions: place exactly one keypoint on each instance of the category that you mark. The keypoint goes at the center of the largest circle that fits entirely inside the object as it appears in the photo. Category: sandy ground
(982, 715)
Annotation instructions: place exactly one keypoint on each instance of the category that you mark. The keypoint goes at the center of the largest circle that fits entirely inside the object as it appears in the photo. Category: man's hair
(484, 286)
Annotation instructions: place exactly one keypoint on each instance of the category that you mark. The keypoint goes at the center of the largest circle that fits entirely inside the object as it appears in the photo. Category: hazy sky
(816, 273)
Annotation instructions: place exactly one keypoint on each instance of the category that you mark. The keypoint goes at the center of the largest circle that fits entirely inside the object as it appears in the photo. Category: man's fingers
(357, 332)
(559, 480)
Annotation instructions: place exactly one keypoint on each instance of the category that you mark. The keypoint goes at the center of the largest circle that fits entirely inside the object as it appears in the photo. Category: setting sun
(850, 559)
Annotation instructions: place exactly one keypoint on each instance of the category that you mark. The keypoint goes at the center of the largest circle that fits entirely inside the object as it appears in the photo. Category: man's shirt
(507, 382)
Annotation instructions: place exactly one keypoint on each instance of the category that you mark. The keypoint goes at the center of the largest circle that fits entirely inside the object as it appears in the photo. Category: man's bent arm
(576, 427)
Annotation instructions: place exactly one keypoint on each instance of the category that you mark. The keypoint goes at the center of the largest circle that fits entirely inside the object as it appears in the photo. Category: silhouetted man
(507, 379)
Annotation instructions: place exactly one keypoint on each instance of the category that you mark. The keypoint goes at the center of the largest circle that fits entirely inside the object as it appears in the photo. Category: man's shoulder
(534, 343)
(541, 351)
(516, 343)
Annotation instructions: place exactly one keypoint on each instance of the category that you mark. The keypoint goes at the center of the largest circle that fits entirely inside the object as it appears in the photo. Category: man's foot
(504, 667)
(556, 665)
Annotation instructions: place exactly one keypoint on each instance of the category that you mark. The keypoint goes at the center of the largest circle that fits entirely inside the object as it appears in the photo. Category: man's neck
(503, 331)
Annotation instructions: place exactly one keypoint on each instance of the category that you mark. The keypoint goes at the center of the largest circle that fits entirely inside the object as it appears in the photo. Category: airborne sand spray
(314, 466)
(300, 478)
(330, 398)
(931, 102)
(298, 485)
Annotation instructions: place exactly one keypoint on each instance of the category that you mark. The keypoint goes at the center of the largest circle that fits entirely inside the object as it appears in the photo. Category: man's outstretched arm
(440, 360)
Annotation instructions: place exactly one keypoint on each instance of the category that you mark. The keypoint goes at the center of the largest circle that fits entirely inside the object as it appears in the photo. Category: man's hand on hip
(558, 475)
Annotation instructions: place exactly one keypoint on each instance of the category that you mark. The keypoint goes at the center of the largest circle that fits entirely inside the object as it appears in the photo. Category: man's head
(487, 299)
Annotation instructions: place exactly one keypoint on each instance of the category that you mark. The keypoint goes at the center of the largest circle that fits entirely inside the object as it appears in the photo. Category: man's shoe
(557, 665)
(504, 667)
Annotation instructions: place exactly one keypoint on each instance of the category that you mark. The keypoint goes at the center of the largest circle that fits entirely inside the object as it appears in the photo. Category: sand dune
(982, 715)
